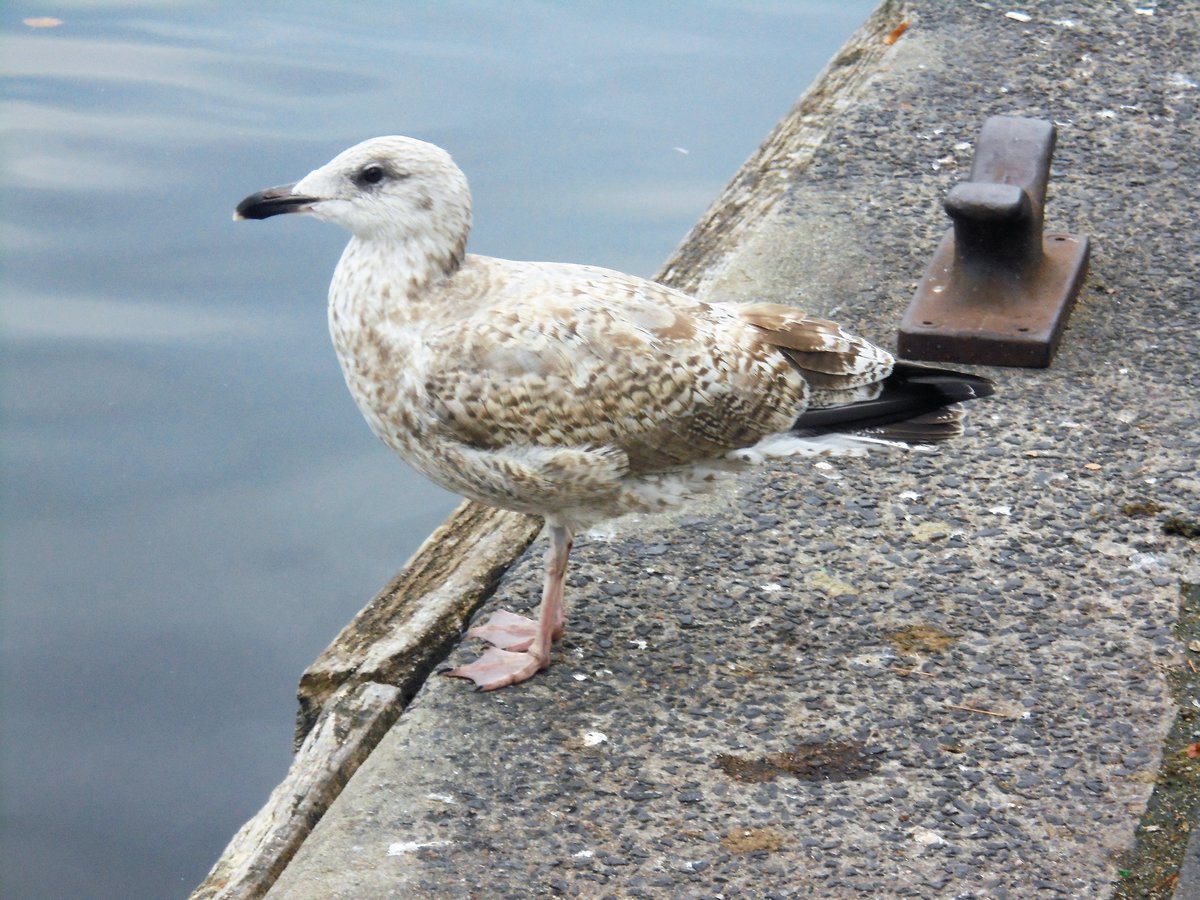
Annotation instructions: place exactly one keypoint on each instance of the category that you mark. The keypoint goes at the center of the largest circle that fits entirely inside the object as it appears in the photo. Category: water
(192, 505)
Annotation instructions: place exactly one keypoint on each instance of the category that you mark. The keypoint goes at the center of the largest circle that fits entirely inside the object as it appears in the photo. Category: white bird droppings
(927, 837)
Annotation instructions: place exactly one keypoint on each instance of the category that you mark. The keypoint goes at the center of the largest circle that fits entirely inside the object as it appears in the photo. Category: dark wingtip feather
(916, 404)
(956, 386)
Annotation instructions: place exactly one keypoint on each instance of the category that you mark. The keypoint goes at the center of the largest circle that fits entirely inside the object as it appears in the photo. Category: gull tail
(915, 406)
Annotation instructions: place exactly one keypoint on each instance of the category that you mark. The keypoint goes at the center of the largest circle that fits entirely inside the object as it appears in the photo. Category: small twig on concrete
(901, 670)
(976, 709)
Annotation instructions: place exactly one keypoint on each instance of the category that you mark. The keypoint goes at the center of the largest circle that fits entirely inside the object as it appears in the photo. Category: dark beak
(273, 202)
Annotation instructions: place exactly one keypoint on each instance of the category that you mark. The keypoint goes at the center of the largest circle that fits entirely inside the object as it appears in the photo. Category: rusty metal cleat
(998, 291)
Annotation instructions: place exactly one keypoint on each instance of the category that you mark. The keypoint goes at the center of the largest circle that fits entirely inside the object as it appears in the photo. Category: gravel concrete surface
(906, 675)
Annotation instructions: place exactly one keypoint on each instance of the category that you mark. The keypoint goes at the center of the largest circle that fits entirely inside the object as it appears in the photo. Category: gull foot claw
(498, 668)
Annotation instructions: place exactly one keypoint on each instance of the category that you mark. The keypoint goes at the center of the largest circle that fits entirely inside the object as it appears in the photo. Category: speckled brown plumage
(552, 388)
(571, 392)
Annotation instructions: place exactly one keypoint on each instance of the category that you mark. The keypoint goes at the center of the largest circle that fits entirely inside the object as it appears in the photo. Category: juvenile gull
(572, 392)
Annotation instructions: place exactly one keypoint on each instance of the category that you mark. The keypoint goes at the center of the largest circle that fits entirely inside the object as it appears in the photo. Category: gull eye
(371, 174)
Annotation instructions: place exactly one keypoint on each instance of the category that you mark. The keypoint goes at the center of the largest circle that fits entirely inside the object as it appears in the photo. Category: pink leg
(522, 646)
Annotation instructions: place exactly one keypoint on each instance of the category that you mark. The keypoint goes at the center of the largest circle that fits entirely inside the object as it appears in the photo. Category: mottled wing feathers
(607, 360)
(839, 367)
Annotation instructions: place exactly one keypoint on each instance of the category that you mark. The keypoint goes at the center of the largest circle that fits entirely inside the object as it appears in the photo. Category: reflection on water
(193, 507)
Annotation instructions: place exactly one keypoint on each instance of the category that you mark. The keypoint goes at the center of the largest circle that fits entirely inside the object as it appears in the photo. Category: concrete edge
(410, 625)
(1164, 859)
(381, 658)
(353, 722)
(785, 153)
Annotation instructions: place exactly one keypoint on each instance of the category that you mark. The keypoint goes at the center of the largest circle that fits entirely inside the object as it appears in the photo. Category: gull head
(386, 188)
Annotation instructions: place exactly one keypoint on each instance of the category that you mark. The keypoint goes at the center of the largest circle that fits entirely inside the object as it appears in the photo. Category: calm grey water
(192, 506)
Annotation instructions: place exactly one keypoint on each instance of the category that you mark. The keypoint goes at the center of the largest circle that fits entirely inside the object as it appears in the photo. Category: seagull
(572, 392)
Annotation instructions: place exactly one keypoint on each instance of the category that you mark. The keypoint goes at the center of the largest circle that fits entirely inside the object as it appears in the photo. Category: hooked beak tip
(273, 202)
